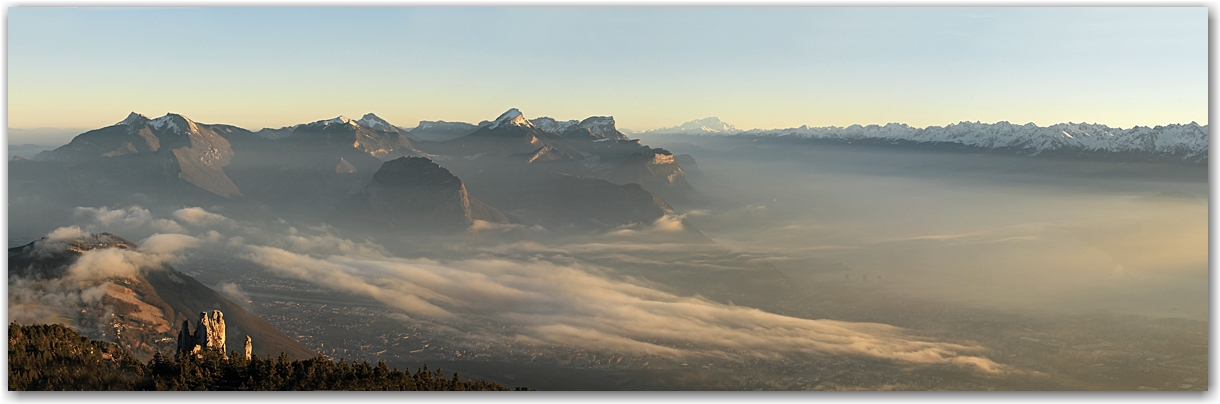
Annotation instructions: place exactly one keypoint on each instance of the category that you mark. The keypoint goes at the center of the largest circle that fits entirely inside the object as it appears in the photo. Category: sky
(649, 67)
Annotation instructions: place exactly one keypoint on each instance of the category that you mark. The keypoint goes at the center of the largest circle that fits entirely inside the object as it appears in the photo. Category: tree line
(54, 357)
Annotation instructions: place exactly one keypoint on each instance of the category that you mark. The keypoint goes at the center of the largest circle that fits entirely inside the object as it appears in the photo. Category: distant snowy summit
(1186, 142)
(705, 126)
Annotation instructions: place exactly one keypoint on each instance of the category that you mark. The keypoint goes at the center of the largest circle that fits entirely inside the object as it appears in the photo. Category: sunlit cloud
(569, 304)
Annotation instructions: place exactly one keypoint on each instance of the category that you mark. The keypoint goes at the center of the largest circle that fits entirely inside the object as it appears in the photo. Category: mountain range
(1188, 142)
(352, 171)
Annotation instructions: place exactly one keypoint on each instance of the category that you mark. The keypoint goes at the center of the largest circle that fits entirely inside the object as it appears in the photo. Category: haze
(272, 161)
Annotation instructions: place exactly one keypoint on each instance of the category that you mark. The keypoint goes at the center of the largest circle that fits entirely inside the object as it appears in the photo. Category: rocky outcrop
(209, 334)
(248, 348)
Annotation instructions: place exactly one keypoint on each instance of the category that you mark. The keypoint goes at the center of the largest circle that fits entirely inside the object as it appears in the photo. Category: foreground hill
(54, 357)
(106, 287)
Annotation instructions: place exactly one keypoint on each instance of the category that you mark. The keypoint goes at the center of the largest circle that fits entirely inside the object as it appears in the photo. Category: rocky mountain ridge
(307, 171)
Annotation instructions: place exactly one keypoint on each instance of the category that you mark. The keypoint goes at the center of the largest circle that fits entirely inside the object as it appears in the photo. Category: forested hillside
(54, 357)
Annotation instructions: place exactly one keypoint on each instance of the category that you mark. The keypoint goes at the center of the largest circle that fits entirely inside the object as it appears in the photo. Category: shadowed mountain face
(689, 167)
(548, 159)
(563, 201)
(413, 194)
(655, 171)
(104, 286)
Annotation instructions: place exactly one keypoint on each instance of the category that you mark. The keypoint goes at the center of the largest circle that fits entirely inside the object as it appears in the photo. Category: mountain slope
(192, 152)
(104, 286)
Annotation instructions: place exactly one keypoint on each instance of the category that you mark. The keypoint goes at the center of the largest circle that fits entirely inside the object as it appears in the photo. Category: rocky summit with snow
(375, 122)
(594, 127)
(551, 125)
(512, 117)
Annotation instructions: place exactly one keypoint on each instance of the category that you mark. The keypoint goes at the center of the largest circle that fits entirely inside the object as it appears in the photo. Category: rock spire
(249, 348)
(209, 334)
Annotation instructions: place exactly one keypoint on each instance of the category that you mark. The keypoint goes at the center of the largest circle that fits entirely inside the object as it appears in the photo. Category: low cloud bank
(75, 298)
(569, 304)
(538, 293)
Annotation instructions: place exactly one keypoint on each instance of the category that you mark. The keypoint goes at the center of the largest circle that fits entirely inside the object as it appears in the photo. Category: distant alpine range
(562, 175)
(528, 184)
(1186, 142)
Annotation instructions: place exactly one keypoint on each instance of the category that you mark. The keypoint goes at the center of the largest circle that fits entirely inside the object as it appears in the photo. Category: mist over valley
(571, 255)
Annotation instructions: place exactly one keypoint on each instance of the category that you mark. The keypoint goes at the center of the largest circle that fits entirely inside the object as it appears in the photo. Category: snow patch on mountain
(174, 123)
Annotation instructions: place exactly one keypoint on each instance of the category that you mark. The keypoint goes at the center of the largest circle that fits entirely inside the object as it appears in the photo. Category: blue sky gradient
(649, 67)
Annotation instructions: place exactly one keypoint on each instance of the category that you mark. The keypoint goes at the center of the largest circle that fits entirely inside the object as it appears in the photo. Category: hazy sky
(648, 67)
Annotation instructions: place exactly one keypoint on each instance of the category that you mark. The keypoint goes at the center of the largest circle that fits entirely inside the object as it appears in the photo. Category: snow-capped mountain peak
(375, 122)
(340, 120)
(134, 119)
(511, 117)
(174, 123)
(709, 125)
